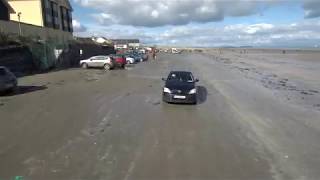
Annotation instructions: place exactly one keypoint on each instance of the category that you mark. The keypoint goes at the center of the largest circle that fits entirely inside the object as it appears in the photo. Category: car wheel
(14, 89)
(11, 90)
(84, 65)
(107, 67)
(195, 102)
(164, 100)
(128, 62)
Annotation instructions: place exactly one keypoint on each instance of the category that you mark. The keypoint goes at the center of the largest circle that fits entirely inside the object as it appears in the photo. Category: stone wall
(43, 33)
(18, 59)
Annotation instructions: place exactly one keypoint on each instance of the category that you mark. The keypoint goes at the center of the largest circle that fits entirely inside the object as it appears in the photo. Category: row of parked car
(8, 81)
(114, 60)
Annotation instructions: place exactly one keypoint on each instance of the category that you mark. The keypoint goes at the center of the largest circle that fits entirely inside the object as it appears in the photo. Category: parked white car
(130, 60)
(175, 51)
(142, 51)
(98, 61)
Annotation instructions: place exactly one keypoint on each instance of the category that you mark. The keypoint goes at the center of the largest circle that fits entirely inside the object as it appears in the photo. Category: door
(94, 61)
(101, 60)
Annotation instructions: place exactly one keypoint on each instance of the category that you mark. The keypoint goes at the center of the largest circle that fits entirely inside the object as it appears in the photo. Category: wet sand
(293, 75)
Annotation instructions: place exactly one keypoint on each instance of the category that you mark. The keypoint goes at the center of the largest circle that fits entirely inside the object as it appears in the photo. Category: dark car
(8, 81)
(135, 57)
(144, 56)
(180, 87)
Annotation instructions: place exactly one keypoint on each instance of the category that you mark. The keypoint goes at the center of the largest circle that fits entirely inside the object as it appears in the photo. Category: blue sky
(207, 23)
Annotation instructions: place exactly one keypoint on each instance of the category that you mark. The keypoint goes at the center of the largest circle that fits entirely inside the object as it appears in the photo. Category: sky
(202, 23)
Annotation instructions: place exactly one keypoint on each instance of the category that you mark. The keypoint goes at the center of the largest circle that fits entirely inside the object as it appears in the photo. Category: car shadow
(202, 94)
(24, 90)
(130, 65)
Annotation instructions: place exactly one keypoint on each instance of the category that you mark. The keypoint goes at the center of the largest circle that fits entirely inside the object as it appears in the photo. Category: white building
(101, 40)
(126, 43)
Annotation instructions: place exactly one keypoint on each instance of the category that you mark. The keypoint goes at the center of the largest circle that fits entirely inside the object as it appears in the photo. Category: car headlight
(166, 90)
(193, 91)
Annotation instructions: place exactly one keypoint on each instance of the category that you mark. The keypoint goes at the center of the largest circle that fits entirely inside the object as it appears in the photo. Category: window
(54, 13)
(49, 18)
(47, 4)
(65, 15)
(47, 13)
(93, 58)
(61, 16)
(69, 15)
(99, 58)
(56, 22)
(64, 18)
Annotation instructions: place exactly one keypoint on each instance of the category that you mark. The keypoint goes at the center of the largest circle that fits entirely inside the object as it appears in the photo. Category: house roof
(10, 9)
(66, 3)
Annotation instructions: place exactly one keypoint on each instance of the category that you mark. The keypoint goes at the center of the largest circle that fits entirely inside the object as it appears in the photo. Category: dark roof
(10, 9)
(125, 41)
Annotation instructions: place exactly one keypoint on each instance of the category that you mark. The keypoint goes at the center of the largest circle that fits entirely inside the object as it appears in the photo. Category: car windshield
(180, 76)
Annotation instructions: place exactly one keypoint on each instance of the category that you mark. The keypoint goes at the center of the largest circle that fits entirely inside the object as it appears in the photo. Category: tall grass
(4, 39)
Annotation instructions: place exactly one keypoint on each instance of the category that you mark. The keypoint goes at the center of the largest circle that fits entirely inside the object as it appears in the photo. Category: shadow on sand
(23, 90)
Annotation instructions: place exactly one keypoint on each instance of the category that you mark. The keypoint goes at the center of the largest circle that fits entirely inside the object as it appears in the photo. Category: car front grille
(177, 91)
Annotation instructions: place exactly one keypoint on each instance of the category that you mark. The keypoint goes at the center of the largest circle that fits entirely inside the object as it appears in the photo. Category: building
(102, 40)
(48, 20)
(5, 10)
(56, 14)
(126, 43)
(120, 46)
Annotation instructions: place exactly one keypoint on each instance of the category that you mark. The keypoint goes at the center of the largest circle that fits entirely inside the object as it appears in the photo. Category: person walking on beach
(154, 54)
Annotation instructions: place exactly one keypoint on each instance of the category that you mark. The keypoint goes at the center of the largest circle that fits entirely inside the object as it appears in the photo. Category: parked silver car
(8, 81)
(98, 61)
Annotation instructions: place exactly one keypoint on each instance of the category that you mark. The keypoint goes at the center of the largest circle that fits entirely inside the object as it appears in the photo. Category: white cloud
(252, 29)
(187, 22)
(151, 13)
(78, 27)
(300, 34)
(155, 14)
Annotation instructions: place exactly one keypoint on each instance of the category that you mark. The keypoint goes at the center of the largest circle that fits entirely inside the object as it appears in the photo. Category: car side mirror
(197, 80)
(163, 79)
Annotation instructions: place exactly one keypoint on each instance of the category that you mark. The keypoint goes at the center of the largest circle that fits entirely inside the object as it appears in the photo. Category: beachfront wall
(43, 33)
